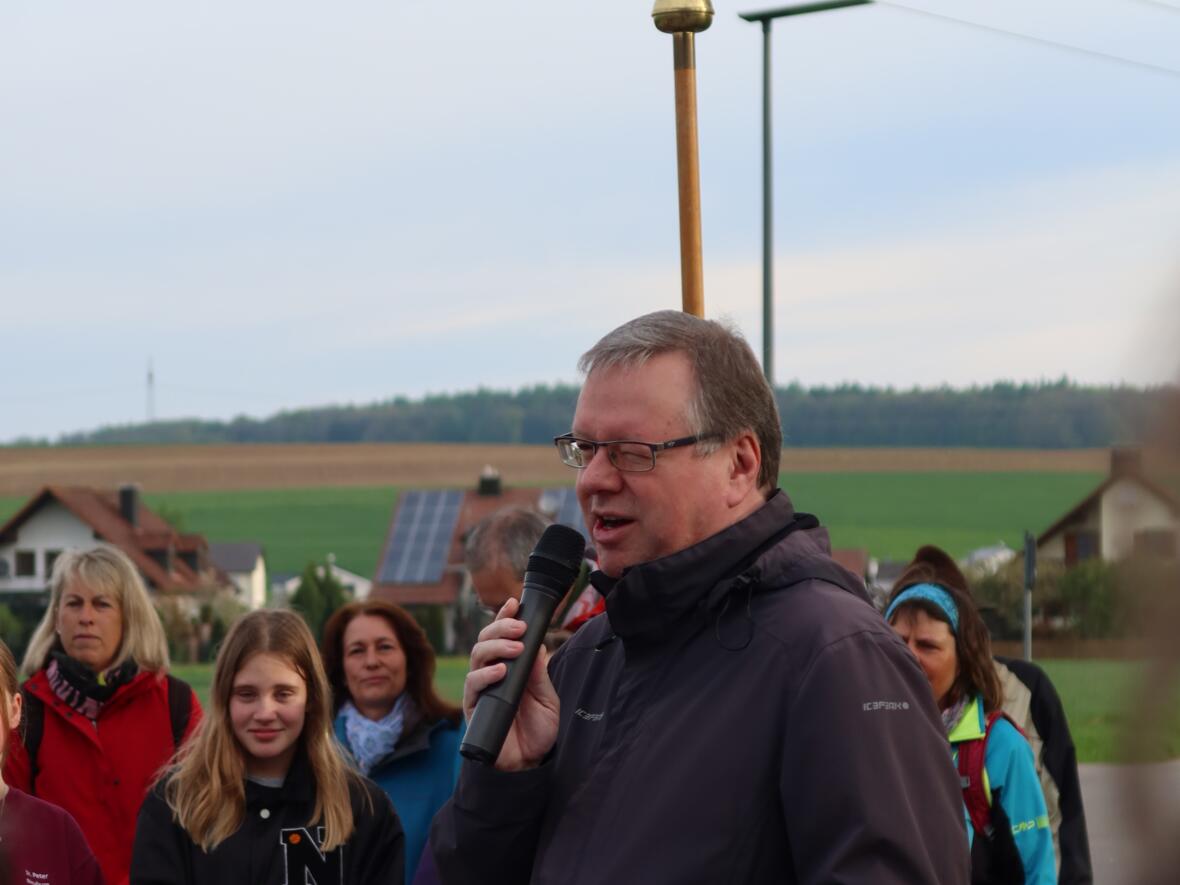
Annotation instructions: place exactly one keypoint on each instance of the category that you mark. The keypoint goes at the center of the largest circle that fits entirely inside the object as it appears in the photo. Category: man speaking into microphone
(740, 713)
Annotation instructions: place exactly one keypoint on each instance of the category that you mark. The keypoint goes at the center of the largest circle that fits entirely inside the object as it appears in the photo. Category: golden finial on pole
(682, 19)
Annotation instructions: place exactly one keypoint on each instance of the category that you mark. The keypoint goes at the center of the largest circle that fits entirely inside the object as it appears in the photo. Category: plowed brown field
(225, 468)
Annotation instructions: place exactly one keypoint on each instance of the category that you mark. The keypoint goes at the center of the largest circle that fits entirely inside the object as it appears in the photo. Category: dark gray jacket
(734, 717)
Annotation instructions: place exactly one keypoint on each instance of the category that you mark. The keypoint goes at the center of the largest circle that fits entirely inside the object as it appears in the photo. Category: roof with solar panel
(422, 559)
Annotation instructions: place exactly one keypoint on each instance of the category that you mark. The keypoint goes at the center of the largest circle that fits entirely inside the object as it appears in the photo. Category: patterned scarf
(81, 688)
(952, 714)
(372, 739)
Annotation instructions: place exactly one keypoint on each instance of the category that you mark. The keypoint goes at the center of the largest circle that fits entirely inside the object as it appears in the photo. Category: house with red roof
(59, 518)
(1127, 514)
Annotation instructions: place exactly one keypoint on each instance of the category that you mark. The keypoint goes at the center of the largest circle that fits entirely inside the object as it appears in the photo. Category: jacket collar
(652, 600)
(972, 725)
(38, 685)
(298, 786)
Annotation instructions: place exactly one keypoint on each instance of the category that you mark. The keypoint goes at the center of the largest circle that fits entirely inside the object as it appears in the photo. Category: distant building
(989, 560)
(244, 563)
(60, 518)
(1126, 514)
(357, 586)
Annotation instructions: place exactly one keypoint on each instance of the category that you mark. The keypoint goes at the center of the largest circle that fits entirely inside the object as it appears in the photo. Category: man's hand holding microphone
(511, 706)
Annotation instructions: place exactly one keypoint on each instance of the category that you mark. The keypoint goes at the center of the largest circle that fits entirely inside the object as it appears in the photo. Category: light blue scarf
(372, 739)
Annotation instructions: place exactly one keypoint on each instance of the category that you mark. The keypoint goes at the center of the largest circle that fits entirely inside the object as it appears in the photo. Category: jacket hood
(772, 547)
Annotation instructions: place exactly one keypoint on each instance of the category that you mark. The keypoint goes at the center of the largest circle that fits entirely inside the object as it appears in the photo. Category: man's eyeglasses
(628, 455)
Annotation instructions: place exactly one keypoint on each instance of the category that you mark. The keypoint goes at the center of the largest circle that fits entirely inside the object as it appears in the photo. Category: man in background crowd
(497, 554)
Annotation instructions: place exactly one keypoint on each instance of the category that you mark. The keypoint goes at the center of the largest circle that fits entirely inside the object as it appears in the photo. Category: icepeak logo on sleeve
(304, 861)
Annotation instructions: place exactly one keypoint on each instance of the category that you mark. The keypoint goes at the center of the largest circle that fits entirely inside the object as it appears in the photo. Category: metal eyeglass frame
(563, 447)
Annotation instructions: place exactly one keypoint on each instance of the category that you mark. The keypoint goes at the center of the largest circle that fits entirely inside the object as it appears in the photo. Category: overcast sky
(287, 204)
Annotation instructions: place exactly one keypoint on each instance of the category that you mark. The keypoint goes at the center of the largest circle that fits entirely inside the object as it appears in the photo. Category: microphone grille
(559, 552)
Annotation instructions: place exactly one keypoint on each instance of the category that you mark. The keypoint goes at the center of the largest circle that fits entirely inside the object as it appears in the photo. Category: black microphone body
(552, 569)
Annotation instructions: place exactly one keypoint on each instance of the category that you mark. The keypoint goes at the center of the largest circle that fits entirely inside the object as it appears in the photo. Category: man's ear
(745, 463)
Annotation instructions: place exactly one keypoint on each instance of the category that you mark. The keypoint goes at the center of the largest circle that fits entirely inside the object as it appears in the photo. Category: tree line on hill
(1051, 415)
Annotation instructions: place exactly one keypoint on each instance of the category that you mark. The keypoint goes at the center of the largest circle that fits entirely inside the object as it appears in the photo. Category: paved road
(1133, 818)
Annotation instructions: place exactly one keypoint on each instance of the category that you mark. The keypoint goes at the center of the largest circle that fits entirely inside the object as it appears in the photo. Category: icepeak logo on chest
(589, 717)
(304, 860)
(32, 878)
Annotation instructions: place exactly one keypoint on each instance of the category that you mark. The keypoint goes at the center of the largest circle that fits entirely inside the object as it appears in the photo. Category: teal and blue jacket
(1010, 772)
(418, 776)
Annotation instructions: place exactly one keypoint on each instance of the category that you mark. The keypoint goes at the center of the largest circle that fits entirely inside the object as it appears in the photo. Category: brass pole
(682, 19)
(692, 282)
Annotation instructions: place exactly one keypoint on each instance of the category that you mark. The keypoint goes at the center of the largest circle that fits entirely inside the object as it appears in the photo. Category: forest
(1049, 415)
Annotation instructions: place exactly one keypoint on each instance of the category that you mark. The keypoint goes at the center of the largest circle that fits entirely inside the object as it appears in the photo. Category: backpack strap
(33, 724)
(180, 708)
(976, 797)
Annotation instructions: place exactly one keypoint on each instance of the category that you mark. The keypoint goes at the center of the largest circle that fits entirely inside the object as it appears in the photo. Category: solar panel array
(421, 537)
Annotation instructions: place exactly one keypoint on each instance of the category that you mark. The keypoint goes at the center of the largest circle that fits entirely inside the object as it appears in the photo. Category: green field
(1099, 699)
(888, 514)
(1102, 700)
(892, 514)
(293, 525)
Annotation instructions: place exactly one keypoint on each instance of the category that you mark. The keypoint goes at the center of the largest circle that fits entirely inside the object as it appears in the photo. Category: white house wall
(52, 527)
(1126, 509)
(1053, 549)
(257, 586)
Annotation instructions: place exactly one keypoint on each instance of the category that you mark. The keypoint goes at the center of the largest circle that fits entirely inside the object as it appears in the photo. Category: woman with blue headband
(931, 609)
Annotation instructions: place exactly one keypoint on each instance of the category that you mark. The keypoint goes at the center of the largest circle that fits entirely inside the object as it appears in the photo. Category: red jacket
(101, 774)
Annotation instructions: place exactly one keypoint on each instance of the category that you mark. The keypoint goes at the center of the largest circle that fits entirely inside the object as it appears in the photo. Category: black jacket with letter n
(741, 714)
(275, 845)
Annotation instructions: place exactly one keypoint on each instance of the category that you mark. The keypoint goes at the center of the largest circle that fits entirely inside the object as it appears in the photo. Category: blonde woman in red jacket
(101, 715)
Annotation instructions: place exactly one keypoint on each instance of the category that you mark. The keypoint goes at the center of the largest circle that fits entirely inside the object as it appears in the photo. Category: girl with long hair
(262, 793)
(39, 842)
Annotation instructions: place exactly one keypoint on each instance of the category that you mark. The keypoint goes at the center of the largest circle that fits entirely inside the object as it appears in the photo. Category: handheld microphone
(553, 566)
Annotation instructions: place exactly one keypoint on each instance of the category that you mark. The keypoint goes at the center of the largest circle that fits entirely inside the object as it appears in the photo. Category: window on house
(1080, 546)
(3, 567)
(50, 558)
(26, 563)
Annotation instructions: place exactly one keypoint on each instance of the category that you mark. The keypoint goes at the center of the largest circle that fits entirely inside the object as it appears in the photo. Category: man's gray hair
(732, 394)
(507, 537)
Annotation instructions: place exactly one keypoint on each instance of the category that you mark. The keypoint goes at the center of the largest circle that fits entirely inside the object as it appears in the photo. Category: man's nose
(599, 475)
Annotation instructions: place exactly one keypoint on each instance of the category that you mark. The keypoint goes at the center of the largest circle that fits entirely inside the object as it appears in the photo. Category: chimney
(1126, 461)
(489, 482)
(129, 503)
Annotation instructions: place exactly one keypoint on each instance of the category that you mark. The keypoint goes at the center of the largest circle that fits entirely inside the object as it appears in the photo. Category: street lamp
(766, 17)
